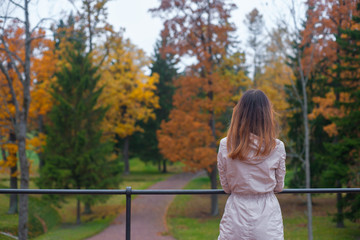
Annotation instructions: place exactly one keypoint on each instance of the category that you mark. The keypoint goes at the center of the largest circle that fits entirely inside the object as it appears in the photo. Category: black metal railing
(129, 192)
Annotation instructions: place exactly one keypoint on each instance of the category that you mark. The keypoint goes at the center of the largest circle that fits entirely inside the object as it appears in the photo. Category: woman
(251, 163)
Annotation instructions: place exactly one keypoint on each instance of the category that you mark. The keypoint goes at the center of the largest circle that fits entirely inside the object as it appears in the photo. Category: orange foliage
(206, 91)
(324, 21)
(43, 62)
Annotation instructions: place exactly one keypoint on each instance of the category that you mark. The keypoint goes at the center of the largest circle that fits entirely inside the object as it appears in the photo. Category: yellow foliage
(272, 82)
(15, 174)
(36, 143)
(128, 91)
(11, 158)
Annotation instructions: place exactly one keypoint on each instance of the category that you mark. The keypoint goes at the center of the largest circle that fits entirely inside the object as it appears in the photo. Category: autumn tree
(21, 65)
(348, 144)
(128, 91)
(339, 106)
(9, 146)
(276, 73)
(325, 19)
(201, 30)
(145, 144)
(301, 61)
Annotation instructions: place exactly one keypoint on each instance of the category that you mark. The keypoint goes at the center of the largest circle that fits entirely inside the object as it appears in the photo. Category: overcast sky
(143, 30)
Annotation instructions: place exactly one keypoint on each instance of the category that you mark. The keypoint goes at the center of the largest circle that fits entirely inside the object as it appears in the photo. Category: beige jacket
(254, 175)
(252, 211)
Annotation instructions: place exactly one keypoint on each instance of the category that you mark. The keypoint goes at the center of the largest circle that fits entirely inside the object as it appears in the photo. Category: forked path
(148, 213)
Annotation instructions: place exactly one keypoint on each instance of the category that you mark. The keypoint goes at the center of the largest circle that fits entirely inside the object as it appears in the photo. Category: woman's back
(255, 174)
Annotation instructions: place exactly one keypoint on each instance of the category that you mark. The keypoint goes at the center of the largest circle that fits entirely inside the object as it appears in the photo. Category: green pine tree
(76, 156)
(344, 153)
(145, 144)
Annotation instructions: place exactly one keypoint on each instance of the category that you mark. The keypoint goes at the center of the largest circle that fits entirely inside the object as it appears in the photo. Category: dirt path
(147, 213)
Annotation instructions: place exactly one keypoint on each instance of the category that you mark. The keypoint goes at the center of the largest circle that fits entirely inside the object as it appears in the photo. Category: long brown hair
(252, 118)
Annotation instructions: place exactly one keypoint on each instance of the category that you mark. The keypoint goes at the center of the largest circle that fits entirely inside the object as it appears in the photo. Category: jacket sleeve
(281, 170)
(221, 164)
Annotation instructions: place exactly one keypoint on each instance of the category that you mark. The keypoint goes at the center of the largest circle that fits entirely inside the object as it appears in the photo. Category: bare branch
(307, 74)
(14, 18)
(38, 37)
(11, 58)
(14, 54)
(18, 5)
(74, 5)
(294, 154)
(40, 22)
(298, 98)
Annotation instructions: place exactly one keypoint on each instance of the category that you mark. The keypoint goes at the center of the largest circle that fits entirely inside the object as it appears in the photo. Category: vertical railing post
(128, 213)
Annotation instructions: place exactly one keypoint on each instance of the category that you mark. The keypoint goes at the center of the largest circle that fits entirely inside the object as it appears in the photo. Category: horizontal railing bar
(165, 191)
(63, 191)
(321, 190)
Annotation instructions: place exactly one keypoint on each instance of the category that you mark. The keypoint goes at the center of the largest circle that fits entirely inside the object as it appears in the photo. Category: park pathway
(148, 213)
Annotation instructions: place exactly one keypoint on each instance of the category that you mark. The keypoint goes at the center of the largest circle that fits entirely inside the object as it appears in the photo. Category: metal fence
(129, 192)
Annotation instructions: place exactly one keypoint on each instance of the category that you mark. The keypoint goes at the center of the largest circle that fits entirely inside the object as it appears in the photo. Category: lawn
(142, 176)
(189, 216)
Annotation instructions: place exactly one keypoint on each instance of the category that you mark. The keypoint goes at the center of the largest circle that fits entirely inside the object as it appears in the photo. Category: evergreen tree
(344, 164)
(317, 87)
(76, 156)
(145, 144)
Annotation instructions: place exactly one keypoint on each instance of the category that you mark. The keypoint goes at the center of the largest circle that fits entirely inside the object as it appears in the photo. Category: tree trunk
(159, 165)
(164, 166)
(21, 128)
(24, 182)
(13, 206)
(339, 205)
(78, 219)
(214, 197)
(87, 208)
(126, 156)
(213, 174)
(307, 156)
(41, 130)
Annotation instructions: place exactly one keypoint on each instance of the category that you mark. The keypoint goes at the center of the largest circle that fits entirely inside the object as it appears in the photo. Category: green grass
(189, 217)
(42, 217)
(3, 237)
(194, 229)
(323, 229)
(8, 223)
(75, 232)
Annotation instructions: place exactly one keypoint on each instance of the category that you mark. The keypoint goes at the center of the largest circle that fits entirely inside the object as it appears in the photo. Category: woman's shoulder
(279, 142)
(280, 146)
(223, 143)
